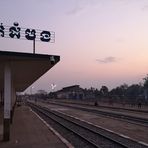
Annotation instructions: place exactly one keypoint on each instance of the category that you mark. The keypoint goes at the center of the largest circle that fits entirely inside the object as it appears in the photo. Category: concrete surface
(28, 131)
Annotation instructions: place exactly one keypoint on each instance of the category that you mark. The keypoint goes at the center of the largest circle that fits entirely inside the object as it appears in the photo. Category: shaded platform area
(17, 72)
(28, 131)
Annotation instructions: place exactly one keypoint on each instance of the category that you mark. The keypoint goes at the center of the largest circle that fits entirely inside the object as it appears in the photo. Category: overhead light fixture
(52, 60)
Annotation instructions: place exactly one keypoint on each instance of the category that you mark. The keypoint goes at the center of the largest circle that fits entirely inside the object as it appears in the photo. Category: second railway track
(82, 134)
(125, 117)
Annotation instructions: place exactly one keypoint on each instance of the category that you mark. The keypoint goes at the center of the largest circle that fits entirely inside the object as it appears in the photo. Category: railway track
(82, 134)
(124, 117)
(105, 107)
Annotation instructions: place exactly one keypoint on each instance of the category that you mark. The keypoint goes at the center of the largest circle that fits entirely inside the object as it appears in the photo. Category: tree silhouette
(104, 91)
(146, 87)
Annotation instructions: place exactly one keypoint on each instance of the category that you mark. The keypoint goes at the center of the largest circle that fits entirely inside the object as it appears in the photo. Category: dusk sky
(100, 42)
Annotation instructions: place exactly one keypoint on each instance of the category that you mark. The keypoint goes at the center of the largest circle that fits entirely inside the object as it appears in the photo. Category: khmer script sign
(17, 32)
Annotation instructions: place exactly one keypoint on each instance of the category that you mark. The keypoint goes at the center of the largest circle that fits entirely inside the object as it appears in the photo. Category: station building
(71, 92)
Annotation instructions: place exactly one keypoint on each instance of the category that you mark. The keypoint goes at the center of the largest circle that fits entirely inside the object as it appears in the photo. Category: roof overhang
(26, 68)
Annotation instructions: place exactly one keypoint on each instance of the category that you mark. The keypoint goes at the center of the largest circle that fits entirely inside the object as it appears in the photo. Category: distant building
(71, 92)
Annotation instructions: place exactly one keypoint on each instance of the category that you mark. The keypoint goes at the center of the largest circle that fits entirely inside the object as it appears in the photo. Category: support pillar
(0, 98)
(7, 102)
(13, 100)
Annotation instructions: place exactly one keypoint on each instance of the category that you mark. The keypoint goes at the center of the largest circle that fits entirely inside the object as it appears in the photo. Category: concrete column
(13, 99)
(7, 102)
(0, 98)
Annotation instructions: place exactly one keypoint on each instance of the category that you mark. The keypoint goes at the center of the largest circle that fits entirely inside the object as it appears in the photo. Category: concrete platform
(28, 131)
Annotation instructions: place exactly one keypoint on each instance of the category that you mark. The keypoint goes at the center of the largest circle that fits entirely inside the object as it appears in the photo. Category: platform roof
(26, 67)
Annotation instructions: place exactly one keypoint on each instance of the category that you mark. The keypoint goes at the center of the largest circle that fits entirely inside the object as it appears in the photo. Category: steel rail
(107, 107)
(90, 143)
(131, 119)
(87, 128)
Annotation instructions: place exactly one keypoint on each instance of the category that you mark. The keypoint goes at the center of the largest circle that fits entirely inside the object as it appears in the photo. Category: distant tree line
(135, 93)
(124, 94)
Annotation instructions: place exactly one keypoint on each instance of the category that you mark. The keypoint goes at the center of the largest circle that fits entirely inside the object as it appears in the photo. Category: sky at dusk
(100, 42)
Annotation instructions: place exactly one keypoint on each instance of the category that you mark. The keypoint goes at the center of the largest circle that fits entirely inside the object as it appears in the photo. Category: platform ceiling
(26, 67)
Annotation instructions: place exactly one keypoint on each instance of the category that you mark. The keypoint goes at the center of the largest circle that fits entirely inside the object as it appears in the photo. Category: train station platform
(28, 131)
